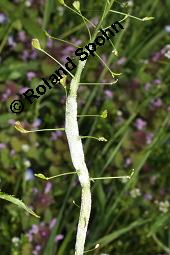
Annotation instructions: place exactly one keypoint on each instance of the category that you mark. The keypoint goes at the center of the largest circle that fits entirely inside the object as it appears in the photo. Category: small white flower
(164, 206)
(119, 113)
(130, 3)
(166, 51)
(28, 3)
(167, 54)
(25, 147)
(15, 240)
(27, 163)
(135, 193)
(124, 180)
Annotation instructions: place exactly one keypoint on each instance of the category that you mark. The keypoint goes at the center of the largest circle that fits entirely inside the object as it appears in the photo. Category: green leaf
(18, 202)
(48, 9)
(20, 128)
(36, 44)
(147, 18)
(159, 222)
(61, 2)
(63, 81)
(76, 5)
(102, 139)
(42, 176)
(4, 118)
(107, 239)
(34, 30)
(13, 70)
(5, 158)
(104, 114)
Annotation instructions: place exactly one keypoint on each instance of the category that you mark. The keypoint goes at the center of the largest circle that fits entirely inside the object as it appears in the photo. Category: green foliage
(18, 202)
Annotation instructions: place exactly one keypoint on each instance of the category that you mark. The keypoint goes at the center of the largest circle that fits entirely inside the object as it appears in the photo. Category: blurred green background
(128, 217)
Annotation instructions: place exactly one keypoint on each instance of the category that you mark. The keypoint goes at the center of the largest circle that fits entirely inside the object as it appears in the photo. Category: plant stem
(76, 147)
(77, 156)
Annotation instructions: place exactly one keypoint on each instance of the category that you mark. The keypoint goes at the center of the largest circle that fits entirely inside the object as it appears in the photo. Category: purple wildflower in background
(2, 146)
(37, 122)
(33, 230)
(48, 187)
(67, 51)
(3, 18)
(108, 93)
(104, 57)
(157, 81)
(149, 138)
(59, 237)
(157, 103)
(156, 56)
(11, 41)
(95, 21)
(37, 249)
(63, 100)
(52, 223)
(33, 54)
(29, 175)
(6, 95)
(147, 86)
(140, 124)
(44, 231)
(43, 200)
(12, 152)
(25, 55)
(22, 36)
(55, 135)
(76, 41)
(23, 90)
(49, 43)
(167, 28)
(30, 75)
(128, 162)
(148, 196)
(11, 121)
(121, 61)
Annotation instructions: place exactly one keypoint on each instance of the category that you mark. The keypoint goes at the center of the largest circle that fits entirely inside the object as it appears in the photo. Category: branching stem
(76, 147)
(77, 155)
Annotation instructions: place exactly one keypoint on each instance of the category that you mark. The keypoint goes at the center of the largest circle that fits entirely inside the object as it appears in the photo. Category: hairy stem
(77, 156)
(76, 147)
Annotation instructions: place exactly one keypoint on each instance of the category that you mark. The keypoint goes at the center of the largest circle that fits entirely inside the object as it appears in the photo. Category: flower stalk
(78, 160)
(76, 147)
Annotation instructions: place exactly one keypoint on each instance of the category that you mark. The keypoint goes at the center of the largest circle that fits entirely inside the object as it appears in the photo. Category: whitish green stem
(42, 176)
(48, 129)
(77, 156)
(96, 83)
(89, 115)
(57, 62)
(76, 147)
